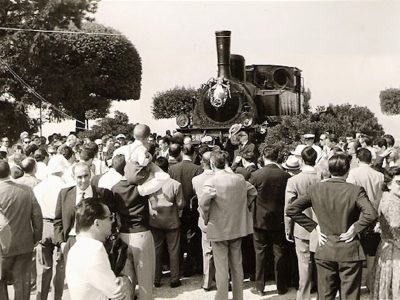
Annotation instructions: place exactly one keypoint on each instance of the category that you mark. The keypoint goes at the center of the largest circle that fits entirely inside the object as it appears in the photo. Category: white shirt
(109, 179)
(135, 152)
(46, 193)
(88, 193)
(41, 170)
(88, 271)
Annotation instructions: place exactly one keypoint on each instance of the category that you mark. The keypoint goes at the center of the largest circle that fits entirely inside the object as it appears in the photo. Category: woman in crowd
(387, 262)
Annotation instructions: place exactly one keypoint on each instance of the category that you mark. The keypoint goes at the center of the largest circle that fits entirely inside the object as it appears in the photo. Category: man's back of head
(188, 150)
(28, 165)
(309, 156)
(174, 150)
(4, 170)
(218, 159)
(271, 153)
(118, 163)
(339, 164)
(364, 155)
(162, 162)
(141, 132)
(205, 160)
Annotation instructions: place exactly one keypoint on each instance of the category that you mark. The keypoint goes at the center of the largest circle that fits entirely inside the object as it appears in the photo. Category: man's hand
(377, 228)
(238, 159)
(119, 293)
(322, 238)
(62, 246)
(289, 237)
(349, 235)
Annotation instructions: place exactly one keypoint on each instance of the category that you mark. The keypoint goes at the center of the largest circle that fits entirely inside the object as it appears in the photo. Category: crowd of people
(109, 217)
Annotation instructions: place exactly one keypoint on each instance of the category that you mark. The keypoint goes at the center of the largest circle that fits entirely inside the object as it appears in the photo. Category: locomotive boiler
(255, 96)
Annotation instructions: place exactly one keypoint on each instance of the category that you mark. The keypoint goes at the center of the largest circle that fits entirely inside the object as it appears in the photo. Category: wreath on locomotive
(253, 97)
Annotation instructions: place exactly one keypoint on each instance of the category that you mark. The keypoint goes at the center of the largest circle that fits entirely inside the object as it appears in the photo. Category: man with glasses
(88, 271)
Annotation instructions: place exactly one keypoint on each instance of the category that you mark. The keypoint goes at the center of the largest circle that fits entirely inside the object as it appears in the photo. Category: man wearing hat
(292, 165)
(244, 147)
(46, 193)
(121, 139)
(309, 141)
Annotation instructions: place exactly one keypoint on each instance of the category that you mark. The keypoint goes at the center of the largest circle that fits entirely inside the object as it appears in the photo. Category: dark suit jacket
(337, 205)
(184, 172)
(64, 219)
(268, 211)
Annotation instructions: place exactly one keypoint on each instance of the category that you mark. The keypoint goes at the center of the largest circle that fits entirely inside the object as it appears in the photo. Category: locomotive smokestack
(223, 39)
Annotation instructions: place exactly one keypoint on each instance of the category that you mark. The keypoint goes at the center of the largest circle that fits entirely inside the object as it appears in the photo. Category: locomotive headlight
(182, 121)
(246, 119)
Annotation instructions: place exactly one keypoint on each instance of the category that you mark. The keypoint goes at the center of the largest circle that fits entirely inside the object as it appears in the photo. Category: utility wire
(58, 31)
(36, 94)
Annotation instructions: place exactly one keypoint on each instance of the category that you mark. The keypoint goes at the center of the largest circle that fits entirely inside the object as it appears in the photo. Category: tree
(116, 125)
(78, 74)
(14, 120)
(338, 119)
(390, 101)
(174, 102)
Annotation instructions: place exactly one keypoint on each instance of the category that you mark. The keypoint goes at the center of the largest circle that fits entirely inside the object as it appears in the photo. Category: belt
(48, 220)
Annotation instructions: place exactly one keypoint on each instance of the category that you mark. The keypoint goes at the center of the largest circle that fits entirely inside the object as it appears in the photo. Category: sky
(348, 50)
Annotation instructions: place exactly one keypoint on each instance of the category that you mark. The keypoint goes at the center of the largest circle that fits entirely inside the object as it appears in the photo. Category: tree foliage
(78, 74)
(116, 125)
(14, 120)
(390, 101)
(339, 119)
(45, 14)
(173, 102)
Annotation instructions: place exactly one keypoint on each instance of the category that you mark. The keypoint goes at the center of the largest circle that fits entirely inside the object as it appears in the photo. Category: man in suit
(225, 209)
(297, 186)
(68, 198)
(165, 227)
(372, 181)
(244, 147)
(343, 211)
(183, 172)
(21, 216)
(208, 259)
(268, 213)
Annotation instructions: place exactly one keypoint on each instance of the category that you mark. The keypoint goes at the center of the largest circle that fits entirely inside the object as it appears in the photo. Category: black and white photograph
(216, 150)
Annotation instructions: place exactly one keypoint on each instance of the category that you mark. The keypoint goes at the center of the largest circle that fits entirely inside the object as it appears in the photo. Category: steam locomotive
(255, 96)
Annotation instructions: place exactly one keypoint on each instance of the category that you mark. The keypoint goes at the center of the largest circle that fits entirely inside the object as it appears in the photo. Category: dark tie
(83, 196)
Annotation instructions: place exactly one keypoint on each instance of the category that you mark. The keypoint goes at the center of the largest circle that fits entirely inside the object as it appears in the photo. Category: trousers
(339, 276)
(144, 260)
(17, 268)
(228, 257)
(172, 239)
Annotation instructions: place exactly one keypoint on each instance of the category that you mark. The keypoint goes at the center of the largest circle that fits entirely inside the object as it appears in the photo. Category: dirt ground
(191, 290)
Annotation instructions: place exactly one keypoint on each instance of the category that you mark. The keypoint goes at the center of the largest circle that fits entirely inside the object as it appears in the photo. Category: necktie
(82, 196)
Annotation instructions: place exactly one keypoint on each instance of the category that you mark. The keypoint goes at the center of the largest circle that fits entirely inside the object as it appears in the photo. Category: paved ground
(190, 290)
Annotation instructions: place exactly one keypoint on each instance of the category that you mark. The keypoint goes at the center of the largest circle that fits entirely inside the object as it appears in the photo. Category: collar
(186, 159)
(336, 179)
(273, 165)
(219, 171)
(308, 169)
(88, 192)
(208, 172)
